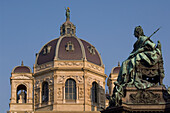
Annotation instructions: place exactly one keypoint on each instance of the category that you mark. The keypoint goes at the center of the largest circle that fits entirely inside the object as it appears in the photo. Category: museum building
(68, 75)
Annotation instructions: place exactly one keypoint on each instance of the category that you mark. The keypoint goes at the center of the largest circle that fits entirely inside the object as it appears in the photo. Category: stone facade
(84, 73)
(68, 75)
(21, 81)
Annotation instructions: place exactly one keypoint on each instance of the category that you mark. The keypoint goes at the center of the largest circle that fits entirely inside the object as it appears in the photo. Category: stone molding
(63, 78)
(69, 64)
(43, 67)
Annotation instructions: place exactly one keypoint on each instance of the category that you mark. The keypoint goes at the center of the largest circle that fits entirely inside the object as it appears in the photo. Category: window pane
(66, 96)
(66, 84)
(66, 90)
(45, 92)
(70, 90)
(94, 92)
(70, 96)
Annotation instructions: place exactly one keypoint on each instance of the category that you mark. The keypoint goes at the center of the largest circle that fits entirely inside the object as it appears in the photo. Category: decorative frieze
(62, 78)
(69, 64)
(94, 67)
(43, 66)
(90, 80)
(21, 77)
(145, 97)
(50, 81)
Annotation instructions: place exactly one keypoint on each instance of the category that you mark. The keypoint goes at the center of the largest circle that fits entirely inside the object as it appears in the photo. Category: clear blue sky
(26, 25)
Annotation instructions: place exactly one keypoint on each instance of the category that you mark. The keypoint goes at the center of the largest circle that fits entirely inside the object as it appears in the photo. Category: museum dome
(68, 47)
(116, 69)
(22, 69)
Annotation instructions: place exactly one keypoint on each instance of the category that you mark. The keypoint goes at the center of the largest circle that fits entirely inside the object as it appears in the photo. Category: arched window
(94, 92)
(21, 94)
(45, 92)
(70, 89)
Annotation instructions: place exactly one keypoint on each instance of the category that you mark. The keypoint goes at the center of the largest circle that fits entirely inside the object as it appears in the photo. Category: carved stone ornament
(88, 93)
(91, 80)
(37, 97)
(94, 67)
(37, 84)
(47, 50)
(51, 93)
(51, 81)
(91, 50)
(44, 66)
(70, 46)
(145, 97)
(61, 78)
(70, 64)
(59, 93)
(21, 77)
(81, 93)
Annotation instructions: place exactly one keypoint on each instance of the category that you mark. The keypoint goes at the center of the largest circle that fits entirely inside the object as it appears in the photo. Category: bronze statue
(142, 69)
(67, 13)
(145, 53)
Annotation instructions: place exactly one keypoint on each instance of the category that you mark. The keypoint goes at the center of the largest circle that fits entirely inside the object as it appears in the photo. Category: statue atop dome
(67, 13)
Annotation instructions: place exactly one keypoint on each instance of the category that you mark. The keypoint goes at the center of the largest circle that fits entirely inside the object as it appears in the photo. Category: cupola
(67, 28)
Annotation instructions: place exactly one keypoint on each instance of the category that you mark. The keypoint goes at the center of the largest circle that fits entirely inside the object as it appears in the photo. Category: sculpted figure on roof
(68, 13)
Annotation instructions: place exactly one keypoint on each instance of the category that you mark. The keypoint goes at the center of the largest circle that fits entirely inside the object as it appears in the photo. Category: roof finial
(118, 63)
(22, 64)
(67, 14)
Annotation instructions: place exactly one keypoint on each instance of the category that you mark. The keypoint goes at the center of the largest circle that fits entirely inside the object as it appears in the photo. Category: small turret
(68, 28)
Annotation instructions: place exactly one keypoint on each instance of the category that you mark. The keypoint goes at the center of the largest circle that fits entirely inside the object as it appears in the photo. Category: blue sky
(26, 25)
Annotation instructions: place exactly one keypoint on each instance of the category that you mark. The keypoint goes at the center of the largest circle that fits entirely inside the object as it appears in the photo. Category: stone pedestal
(151, 100)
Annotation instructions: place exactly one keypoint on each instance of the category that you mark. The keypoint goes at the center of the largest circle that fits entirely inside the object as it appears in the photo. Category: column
(40, 95)
(77, 94)
(49, 93)
(64, 94)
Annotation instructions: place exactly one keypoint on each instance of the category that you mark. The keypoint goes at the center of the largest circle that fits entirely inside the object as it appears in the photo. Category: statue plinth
(152, 99)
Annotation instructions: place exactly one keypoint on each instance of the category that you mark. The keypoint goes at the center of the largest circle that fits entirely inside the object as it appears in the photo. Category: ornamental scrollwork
(62, 78)
(81, 93)
(145, 97)
(44, 66)
(59, 93)
(94, 67)
(70, 64)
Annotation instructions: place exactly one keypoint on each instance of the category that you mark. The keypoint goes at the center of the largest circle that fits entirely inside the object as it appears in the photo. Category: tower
(113, 78)
(21, 89)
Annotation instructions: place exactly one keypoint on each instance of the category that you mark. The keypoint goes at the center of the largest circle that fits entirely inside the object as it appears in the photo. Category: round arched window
(21, 94)
(70, 89)
(45, 92)
(94, 92)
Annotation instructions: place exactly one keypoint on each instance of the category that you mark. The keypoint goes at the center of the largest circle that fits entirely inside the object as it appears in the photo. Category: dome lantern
(68, 28)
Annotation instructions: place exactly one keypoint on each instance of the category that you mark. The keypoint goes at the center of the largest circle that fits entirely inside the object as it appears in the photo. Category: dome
(68, 48)
(116, 70)
(22, 69)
